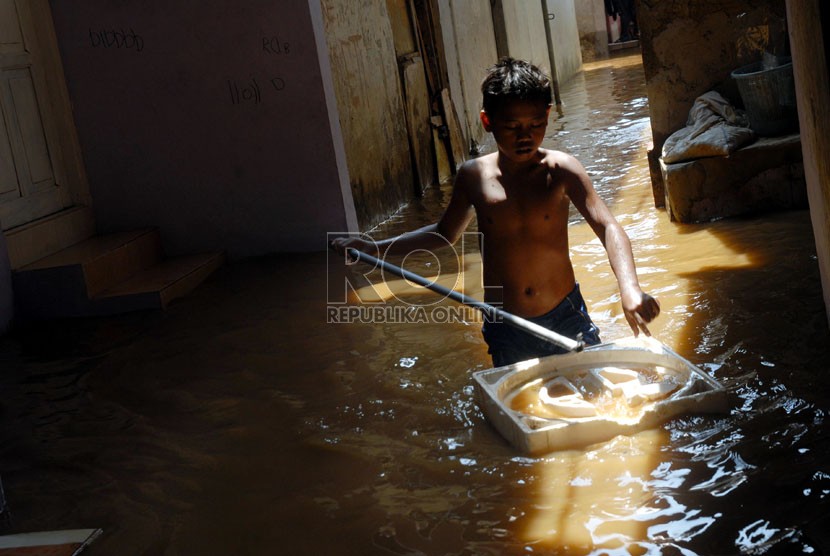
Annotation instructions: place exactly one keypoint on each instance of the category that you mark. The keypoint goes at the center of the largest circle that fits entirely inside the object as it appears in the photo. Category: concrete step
(101, 261)
(157, 286)
(106, 275)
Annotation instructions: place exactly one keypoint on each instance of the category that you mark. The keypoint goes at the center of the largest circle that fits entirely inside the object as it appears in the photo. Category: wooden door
(29, 186)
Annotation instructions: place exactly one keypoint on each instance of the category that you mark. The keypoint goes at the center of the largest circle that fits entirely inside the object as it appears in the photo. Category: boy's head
(512, 79)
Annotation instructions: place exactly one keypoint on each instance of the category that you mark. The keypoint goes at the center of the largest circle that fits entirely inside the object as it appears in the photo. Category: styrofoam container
(633, 384)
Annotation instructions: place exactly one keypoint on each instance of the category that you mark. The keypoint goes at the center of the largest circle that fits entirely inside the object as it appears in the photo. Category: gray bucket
(768, 94)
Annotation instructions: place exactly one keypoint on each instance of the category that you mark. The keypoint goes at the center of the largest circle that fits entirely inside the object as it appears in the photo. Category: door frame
(29, 242)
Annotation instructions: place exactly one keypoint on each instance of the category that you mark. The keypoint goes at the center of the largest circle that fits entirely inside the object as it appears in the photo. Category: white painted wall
(470, 45)
(217, 126)
(565, 38)
(524, 24)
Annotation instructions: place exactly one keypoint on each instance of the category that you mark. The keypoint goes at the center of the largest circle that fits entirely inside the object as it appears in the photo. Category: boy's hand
(340, 245)
(640, 309)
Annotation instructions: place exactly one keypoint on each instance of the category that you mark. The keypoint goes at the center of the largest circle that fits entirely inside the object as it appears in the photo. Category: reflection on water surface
(240, 422)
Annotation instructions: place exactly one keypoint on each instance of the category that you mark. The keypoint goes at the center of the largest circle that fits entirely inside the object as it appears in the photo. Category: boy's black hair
(512, 79)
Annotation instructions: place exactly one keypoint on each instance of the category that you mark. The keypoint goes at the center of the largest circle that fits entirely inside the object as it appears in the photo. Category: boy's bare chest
(534, 200)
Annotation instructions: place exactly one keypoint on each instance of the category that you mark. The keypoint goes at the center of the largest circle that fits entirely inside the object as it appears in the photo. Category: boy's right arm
(446, 231)
(426, 238)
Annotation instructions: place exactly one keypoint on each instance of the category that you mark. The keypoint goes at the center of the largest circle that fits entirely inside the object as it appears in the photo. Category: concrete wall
(520, 33)
(365, 73)
(565, 38)
(470, 44)
(812, 84)
(592, 29)
(211, 120)
(519, 26)
(470, 47)
(722, 36)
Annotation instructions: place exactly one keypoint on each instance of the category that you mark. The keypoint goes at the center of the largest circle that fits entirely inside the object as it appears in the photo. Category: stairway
(108, 274)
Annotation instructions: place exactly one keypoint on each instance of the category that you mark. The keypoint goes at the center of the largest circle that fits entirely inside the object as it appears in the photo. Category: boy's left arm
(639, 307)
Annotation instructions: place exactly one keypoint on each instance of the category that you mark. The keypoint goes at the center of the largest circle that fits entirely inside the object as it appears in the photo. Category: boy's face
(518, 128)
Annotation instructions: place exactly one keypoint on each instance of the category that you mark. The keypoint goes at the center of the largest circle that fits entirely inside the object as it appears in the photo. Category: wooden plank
(456, 138)
(402, 32)
(442, 157)
(418, 120)
(432, 43)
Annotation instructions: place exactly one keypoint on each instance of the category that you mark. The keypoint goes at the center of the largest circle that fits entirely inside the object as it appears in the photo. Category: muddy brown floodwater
(241, 422)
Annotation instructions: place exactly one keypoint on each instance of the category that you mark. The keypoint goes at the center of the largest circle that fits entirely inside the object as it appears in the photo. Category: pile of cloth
(714, 128)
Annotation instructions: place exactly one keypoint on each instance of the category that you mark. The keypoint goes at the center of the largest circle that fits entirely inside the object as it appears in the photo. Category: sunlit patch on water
(759, 536)
(699, 485)
(407, 362)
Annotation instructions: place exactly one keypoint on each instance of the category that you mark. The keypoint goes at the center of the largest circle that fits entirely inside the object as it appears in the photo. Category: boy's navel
(528, 291)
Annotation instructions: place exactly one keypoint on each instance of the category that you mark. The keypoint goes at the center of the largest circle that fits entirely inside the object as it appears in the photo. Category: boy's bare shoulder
(563, 166)
(475, 170)
(479, 164)
(559, 159)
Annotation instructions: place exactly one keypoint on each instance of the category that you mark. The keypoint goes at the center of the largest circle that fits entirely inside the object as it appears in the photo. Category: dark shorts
(570, 318)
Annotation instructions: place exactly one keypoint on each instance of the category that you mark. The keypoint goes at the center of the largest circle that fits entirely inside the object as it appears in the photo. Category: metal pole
(488, 310)
(555, 80)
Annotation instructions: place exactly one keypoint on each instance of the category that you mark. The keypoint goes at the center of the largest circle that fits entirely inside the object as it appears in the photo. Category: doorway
(43, 190)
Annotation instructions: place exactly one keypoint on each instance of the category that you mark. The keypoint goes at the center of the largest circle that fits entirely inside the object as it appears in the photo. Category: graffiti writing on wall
(255, 90)
(251, 91)
(273, 45)
(116, 38)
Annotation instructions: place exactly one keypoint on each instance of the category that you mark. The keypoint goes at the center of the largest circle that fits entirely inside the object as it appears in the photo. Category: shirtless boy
(520, 196)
